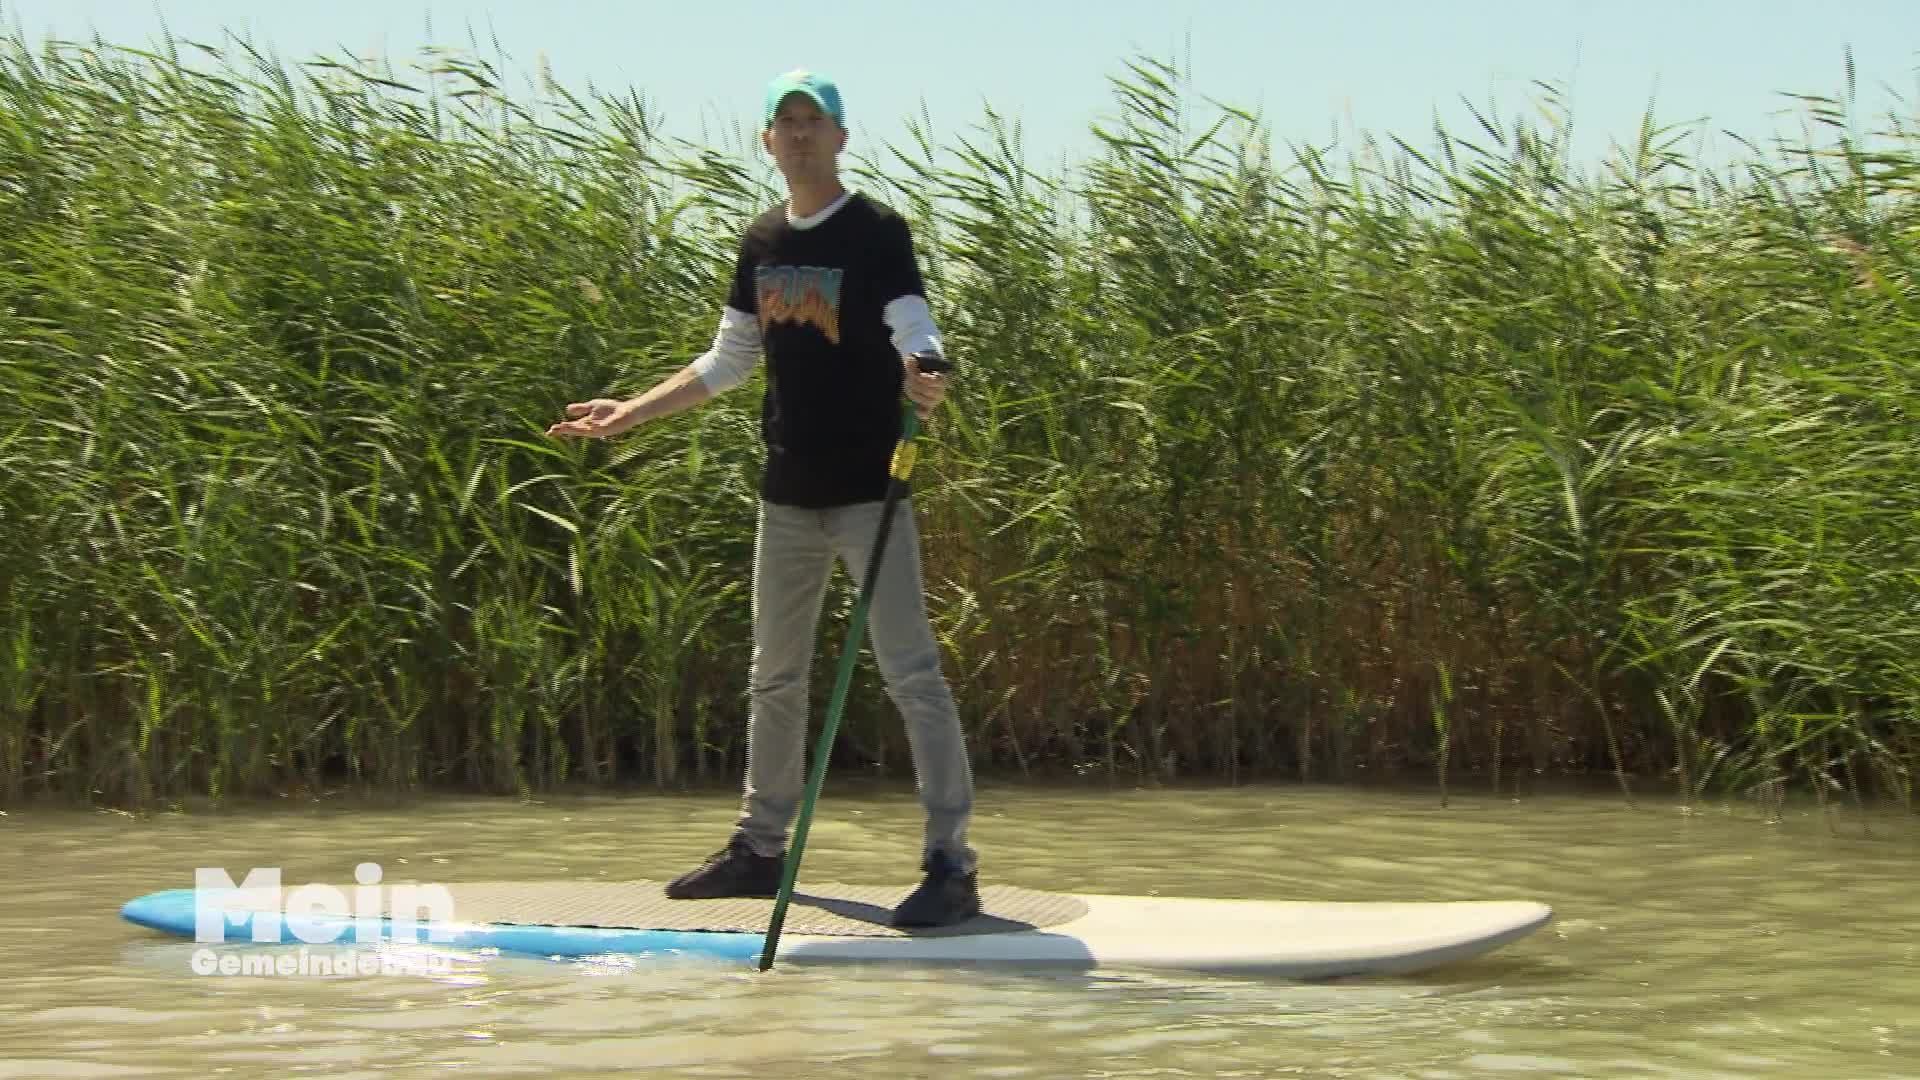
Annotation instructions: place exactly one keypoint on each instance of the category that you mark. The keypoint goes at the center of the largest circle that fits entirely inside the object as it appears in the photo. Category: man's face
(804, 141)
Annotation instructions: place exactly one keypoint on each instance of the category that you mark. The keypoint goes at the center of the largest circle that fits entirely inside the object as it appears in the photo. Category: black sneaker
(943, 898)
(734, 870)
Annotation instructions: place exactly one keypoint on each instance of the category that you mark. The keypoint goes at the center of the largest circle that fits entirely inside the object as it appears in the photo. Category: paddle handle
(898, 473)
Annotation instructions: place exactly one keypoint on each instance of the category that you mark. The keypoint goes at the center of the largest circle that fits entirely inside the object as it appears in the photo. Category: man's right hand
(597, 419)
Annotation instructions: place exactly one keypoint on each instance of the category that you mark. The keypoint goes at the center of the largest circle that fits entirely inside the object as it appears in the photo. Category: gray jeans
(794, 553)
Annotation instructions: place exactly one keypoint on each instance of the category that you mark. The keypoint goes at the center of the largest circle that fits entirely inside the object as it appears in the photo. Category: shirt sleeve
(735, 352)
(906, 312)
(912, 324)
(736, 348)
(743, 295)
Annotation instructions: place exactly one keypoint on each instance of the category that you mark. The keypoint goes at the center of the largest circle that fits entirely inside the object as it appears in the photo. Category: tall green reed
(1447, 456)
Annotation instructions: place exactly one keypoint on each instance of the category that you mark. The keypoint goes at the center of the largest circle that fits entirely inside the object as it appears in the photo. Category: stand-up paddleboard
(1017, 927)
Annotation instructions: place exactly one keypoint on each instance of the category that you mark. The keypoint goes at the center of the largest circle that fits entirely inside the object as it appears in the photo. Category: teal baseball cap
(813, 84)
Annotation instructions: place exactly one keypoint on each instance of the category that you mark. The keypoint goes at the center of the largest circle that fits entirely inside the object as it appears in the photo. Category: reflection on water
(1703, 943)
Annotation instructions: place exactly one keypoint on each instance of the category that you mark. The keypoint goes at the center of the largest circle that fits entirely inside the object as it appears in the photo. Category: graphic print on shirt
(802, 295)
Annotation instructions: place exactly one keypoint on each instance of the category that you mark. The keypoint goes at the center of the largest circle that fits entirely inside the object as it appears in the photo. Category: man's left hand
(926, 391)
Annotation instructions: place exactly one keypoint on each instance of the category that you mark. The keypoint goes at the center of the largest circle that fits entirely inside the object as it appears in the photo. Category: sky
(1316, 72)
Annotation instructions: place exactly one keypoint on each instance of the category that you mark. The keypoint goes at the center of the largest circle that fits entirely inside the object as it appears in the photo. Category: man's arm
(727, 364)
(910, 321)
(678, 392)
(914, 332)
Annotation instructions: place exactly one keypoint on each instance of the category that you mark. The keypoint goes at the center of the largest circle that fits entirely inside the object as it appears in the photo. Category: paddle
(903, 455)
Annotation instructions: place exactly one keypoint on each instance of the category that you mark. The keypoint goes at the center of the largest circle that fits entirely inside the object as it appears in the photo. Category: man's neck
(806, 200)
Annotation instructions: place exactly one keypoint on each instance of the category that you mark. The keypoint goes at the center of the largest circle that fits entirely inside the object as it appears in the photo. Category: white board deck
(1290, 938)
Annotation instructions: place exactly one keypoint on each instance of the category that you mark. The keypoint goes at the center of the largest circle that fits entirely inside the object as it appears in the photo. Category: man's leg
(909, 658)
(791, 563)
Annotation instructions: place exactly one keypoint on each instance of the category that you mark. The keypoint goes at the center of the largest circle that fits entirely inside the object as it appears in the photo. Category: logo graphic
(316, 914)
(801, 295)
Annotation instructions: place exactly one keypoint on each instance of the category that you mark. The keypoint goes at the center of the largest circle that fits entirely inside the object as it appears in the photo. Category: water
(1700, 944)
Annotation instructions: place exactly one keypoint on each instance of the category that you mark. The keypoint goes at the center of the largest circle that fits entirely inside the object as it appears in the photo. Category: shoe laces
(736, 846)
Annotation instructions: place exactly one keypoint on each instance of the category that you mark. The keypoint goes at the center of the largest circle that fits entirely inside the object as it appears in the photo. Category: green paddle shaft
(903, 457)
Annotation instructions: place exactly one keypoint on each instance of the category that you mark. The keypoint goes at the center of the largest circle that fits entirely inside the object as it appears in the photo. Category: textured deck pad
(856, 910)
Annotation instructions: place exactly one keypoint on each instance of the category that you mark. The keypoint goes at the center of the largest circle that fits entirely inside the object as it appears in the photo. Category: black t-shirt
(832, 408)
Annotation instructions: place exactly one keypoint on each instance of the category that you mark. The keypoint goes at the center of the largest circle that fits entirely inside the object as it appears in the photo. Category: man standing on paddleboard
(828, 288)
